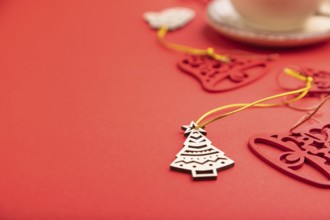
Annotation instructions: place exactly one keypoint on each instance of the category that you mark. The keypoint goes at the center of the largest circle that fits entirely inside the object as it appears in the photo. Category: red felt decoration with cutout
(321, 80)
(219, 76)
(303, 155)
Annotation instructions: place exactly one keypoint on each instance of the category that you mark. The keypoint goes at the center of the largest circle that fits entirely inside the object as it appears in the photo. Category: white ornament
(199, 157)
(172, 18)
(324, 8)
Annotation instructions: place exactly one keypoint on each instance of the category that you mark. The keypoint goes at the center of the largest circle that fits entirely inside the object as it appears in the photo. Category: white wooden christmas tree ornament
(199, 157)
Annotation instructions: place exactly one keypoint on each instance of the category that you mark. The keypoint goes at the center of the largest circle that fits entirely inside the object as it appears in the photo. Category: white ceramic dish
(222, 17)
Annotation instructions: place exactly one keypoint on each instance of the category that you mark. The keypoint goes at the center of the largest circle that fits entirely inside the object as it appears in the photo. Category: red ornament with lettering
(303, 155)
(218, 76)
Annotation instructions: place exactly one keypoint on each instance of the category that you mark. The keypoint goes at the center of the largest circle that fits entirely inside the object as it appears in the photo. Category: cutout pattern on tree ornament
(303, 155)
(219, 76)
(199, 157)
(321, 80)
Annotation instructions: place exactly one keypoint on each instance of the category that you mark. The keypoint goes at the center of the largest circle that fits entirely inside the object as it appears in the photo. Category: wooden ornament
(303, 155)
(199, 157)
(218, 76)
(171, 18)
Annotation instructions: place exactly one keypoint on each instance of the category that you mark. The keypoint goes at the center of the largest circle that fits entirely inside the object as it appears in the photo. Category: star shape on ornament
(192, 127)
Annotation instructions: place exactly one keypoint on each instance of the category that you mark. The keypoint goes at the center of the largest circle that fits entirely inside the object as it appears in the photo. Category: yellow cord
(259, 103)
(302, 92)
(208, 52)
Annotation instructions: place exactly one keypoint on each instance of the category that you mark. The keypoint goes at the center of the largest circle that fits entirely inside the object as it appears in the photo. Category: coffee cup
(276, 15)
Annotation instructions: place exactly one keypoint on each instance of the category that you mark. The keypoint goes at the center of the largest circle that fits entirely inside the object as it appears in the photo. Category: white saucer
(223, 18)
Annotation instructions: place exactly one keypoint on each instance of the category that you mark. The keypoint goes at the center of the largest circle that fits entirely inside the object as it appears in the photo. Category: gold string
(181, 48)
(259, 103)
(310, 115)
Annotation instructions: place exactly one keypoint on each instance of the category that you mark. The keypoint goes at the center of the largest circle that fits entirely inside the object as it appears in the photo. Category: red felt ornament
(319, 89)
(304, 155)
(219, 76)
(321, 78)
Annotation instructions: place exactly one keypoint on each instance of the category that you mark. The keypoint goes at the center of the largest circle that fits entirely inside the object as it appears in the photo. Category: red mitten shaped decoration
(218, 76)
(303, 155)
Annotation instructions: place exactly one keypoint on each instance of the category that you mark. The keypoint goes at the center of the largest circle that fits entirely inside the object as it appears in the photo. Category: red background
(91, 109)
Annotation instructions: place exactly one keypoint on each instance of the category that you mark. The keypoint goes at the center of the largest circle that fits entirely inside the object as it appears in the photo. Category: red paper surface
(91, 110)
